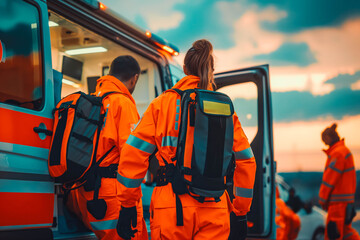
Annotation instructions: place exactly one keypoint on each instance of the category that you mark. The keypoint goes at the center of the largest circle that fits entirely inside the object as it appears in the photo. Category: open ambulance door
(249, 90)
(26, 102)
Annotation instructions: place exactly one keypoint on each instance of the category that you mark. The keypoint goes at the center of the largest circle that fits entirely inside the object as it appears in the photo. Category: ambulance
(49, 49)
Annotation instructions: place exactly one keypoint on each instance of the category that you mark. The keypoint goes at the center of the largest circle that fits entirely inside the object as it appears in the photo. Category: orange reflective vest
(159, 129)
(339, 178)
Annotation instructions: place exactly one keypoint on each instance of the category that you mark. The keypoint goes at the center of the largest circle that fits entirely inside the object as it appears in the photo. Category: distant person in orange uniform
(287, 221)
(121, 117)
(337, 191)
(159, 129)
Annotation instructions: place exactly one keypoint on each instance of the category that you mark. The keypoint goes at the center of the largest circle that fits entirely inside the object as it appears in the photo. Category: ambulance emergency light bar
(94, 4)
(165, 45)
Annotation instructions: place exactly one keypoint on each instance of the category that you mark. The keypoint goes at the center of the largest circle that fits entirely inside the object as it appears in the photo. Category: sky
(312, 48)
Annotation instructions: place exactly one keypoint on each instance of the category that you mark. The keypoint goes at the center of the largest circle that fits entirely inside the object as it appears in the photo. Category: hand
(127, 218)
(238, 227)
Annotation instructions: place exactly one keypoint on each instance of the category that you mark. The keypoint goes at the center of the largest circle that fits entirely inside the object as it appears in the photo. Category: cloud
(152, 15)
(203, 19)
(289, 54)
(337, 49)
(303, 106)
(309, 14)
(344, 80)
(250, 38)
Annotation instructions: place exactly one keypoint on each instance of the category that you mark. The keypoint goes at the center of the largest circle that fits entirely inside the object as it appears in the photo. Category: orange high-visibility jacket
(287, 222)
(121, 117)
(159, 128)
(339, 178)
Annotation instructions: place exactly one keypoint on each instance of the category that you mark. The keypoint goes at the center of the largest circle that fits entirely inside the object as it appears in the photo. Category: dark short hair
(124, 67)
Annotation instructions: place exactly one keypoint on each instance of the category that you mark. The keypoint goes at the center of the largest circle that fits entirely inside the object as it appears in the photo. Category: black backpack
(205, 169)
(78, 120)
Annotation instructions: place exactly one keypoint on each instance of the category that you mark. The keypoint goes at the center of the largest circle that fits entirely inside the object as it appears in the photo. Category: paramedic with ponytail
(97, 203)
(198, 141)
(337, 191)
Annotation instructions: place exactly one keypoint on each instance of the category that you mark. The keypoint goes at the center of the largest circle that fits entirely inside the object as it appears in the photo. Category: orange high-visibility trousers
(287, 222)
(336, 213)
(294, 226)
(104, 229)
(200, 223)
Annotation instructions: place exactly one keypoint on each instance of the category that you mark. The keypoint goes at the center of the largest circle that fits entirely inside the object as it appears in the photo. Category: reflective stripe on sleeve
(341, 199)
(349, 169)
(140, 144)
(342, 195)
(327, 184)
(244, 192)
(348, 235)
(128, 182)
(244, 154)
(332, 166)
(348, 155)
(322, 200)
(104, 225)
(169, 141)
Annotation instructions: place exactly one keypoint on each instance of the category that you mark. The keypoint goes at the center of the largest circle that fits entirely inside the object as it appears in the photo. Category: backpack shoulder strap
(178, 91)
(108, 93)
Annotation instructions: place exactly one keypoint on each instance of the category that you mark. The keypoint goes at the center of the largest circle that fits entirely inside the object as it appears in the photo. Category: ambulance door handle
(41, 130)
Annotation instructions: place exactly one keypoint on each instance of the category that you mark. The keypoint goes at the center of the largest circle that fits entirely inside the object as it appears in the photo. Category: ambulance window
(176, 73)
(20, 55)
(245, 97)
(84, 56)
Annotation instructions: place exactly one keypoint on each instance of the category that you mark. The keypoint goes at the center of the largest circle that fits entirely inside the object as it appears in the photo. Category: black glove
(332, 230)
(127, 218)
(238, 227)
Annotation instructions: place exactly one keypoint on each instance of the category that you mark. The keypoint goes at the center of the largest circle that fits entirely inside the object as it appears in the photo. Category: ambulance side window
(21, 81)
(176, 73)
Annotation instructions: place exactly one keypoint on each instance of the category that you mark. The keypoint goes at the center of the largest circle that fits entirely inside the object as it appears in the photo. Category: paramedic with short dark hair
(187, 216)
(121, 117)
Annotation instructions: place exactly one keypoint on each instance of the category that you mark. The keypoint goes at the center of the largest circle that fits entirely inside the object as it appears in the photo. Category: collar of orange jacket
(335, 145)
(110, 83)
(189, 82)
